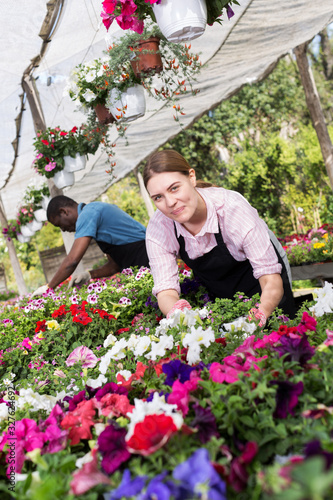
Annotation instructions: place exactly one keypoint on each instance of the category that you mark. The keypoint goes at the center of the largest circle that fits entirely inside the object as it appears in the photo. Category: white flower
(324, 300)
(89, 95)
(193, 354)
(142, 345)
(92, 298)
(110, 340)
(117, 352)
(132, 341)
(91, 76)
(94, 383)
(37, 401)
(239, 325)
(158, 349)
(199, 336)
(3, 412)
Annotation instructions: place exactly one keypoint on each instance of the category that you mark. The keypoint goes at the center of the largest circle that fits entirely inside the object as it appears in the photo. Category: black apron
(223, 275)
(128, 255)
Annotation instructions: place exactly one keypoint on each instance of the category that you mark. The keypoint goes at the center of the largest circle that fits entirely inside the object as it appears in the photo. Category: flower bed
(110, 399)
(314, 246)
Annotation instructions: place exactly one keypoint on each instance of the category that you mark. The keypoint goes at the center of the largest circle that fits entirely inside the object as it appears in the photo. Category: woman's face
(174, 194)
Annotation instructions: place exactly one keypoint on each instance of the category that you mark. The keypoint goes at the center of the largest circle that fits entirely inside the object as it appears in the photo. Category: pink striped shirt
(244, 233)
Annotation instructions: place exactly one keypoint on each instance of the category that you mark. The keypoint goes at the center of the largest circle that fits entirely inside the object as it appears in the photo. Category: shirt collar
(210, 226)
(80, 208)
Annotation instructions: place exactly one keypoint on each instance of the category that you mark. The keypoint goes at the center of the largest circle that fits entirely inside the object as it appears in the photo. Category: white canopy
(241, 51)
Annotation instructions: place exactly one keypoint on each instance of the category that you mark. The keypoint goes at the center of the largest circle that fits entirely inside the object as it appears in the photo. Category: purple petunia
(176, 370)
(205, 422)
(112, 447)
(298, 349)
(286, 397)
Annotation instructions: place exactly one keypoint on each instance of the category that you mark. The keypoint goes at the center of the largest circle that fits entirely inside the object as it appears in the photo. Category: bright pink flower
(84, 355)
(26, 343)
(307, 323)
(128, 7)
(247, 347)
(28, 438)
(130, 23)
(223, 373)
(267, 340)
(89, 476)
(180, 396)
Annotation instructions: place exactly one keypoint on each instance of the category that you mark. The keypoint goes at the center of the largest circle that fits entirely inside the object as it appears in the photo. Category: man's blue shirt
(108, 223)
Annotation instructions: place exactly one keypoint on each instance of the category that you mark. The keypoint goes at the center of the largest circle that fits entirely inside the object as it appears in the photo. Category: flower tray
(317, 270)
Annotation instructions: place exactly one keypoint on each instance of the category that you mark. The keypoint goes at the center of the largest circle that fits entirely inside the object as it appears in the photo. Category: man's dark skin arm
(72, 260)
(109, 269)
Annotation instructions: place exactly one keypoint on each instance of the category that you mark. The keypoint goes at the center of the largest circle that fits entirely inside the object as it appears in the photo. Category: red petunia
(80, 421)
(41, 326)
(122, 330)
(151, 434)
(44, 141)
(82, 318)
(59, 312)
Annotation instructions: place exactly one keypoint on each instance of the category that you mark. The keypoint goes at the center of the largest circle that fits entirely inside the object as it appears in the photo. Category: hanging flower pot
(40, 215)
(74, 164)
(22, 239)
(103, 114)
(181, 21)
(45, 201)
(35, 225)
(146, 58)
(62, 179)
(129, 105)
(27, 230)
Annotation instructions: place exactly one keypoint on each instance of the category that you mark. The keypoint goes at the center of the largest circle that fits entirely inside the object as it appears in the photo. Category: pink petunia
(223, 373)
(307, 323)
(84, 355)
(89, 476)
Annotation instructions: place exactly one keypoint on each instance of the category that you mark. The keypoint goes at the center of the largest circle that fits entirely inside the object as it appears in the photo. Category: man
(117, 234)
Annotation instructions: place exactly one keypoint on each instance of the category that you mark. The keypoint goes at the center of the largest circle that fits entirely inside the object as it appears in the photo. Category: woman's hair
(56, 204)
(168, 160)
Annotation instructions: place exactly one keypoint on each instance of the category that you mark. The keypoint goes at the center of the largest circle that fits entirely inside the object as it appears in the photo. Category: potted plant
(178, 21)
(36, 196)
(88, 88)
(180, 66)
(54, 150)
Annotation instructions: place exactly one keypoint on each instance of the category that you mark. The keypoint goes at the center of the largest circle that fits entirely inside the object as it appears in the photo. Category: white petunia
(124, 373)
(193, 354)
(3, 412)
(89, 95)
(142, 345)
(132, 341)
(158, 349)
(110, 340)
(95, 383)
(199, 336)
(240, 325)
(324, 300)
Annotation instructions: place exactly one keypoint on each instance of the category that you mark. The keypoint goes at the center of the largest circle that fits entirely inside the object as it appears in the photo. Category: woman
(217, 233)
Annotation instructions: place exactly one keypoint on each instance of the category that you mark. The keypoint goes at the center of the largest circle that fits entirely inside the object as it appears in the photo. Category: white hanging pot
(27, 230)
(35, 225)
(181, 20)
(74, 164)
(63, 178)
(45, 201)
(22, 239)
(127, 106)
(40, 215)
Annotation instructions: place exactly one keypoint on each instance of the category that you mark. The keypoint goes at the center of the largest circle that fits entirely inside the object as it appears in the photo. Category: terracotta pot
(144, 61)
(103, 114)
